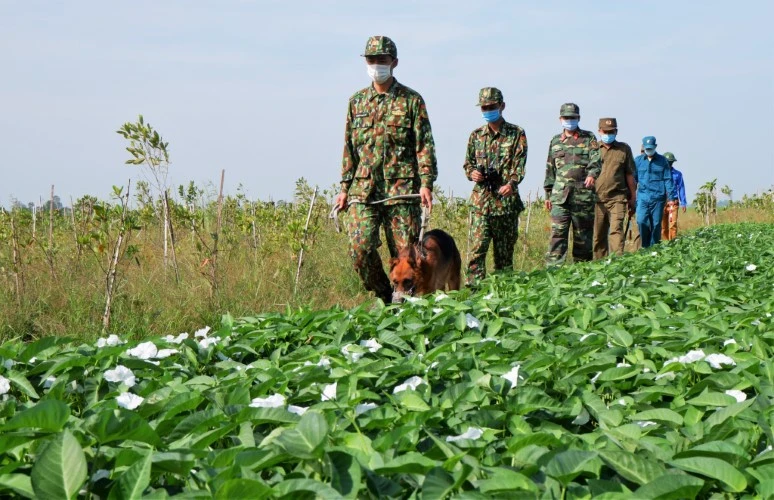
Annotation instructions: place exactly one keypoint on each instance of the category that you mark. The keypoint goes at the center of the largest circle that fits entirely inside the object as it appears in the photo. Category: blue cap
(649, 142)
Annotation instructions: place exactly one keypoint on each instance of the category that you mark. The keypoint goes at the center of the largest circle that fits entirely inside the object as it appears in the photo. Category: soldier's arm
(630, 173)
(595, 159)
(425, 146)
(349, 158)
(516, 174)
(470, 157)
(669, 183)
(548, 183)
(681, 191)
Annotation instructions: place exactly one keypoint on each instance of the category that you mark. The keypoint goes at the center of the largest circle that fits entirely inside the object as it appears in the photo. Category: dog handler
(495, 160)
(388, 152)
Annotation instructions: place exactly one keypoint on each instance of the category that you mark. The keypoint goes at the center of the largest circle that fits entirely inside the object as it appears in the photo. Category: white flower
(364, 407)
(427, 341)
(488, 296)
(146, 350)
(298, 410)
(110, 341)
(34, 359)
(729, 341)
(674, 280)
(8, 364)
(645, 423)
(100, 474)
(329, 392)
(739, 235)
(165, 353)
(512, 376)
(690, 357)
(409, 298)
(472, 433)
(646, 370)
(738, 395)
(596, 283)
(768, 315)
(666, 375)
(653, 254)
(590, 295)
(5, 385)
(716, 360)
(608, 261)
(129, 401)
(121, 374)
(49, 382)
(751, 267)
(621, 402)
(207, 342)
(471, 321)
(433, 365)
(441, 296)
(371, 344)
(202, 332)
(437, 310)
(410, 384)
(352, 356)
(489, 339)
(622, 365)
(755, 322)
(324, 363)
(176, 340)
(273, 401)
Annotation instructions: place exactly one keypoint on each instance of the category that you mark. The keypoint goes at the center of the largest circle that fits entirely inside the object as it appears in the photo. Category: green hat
(380, 45)
(670, 156)
(569, 110)
(606, 124)
(489, 95)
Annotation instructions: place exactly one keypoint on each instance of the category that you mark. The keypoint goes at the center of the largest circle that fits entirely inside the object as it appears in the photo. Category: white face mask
(379, 73)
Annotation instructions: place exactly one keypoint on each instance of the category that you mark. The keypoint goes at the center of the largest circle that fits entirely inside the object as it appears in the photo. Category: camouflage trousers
(401, 224)
(580, 214)
(502, 231)
(649, 215)
(609, 218)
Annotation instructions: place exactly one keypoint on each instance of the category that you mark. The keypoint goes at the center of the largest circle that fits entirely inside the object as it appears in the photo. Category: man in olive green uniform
(615, 189)
(571, 168)
(495, 160)
(388, 153)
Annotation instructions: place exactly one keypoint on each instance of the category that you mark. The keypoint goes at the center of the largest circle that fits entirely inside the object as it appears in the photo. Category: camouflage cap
(606, 124)
(380, 45)
(489, 95)
(569, 110)
(670, 157)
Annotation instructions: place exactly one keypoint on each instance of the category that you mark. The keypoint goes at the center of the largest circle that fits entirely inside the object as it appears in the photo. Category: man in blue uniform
(654, 187)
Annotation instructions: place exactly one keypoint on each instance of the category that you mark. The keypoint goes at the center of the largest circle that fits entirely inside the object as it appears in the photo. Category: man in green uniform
(495, 160)
(615, 189)
(388, 153)
(571, 168)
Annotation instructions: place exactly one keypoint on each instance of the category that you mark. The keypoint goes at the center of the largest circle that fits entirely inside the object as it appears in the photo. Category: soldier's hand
(505, 190)
(341, 201)
(589, 182)
(548, 204)
(632, 203)
(477, 176)
(427, 198)
(684, 208)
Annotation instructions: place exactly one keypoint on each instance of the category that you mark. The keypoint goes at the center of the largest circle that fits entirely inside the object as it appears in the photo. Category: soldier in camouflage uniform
(572, 167)
(388, 152)
(495, 159)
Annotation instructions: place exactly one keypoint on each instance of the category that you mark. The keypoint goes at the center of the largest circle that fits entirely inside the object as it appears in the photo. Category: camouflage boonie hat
(380, 45)
(606, 124)
(569, 110)
(670, 157)
(489, 95)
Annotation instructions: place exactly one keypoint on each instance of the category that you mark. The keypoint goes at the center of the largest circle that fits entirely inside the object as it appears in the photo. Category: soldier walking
(495, 160)
(572, 167)
(615, 190)
(669, 222)
(388, 153)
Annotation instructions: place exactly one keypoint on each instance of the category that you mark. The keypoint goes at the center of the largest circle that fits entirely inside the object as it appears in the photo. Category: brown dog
(432, 265)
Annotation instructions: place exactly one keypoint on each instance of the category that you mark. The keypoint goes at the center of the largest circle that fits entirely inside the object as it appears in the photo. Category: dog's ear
(393, 262)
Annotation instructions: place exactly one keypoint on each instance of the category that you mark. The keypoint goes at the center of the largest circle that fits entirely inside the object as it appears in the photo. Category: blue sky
(260, 88)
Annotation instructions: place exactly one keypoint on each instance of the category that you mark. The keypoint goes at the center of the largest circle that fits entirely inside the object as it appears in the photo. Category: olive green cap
(569, 110)
(606, 124)
(670, 156)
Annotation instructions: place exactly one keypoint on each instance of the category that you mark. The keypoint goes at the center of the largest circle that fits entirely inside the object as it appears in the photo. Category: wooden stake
(303, 240)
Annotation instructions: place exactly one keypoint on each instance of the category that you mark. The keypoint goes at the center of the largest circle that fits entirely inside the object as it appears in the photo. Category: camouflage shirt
(388, 145)
(506, 152)
(570, 160)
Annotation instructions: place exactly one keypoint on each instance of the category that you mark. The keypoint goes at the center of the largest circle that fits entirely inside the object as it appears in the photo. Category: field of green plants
(645, 376)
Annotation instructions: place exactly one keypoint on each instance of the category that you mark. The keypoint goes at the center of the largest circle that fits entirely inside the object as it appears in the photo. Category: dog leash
(423, 221)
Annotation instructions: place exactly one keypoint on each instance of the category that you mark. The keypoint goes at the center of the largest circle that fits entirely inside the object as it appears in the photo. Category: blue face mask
(650, 151)
(569, 123)
(608, 138)
(491, 116)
